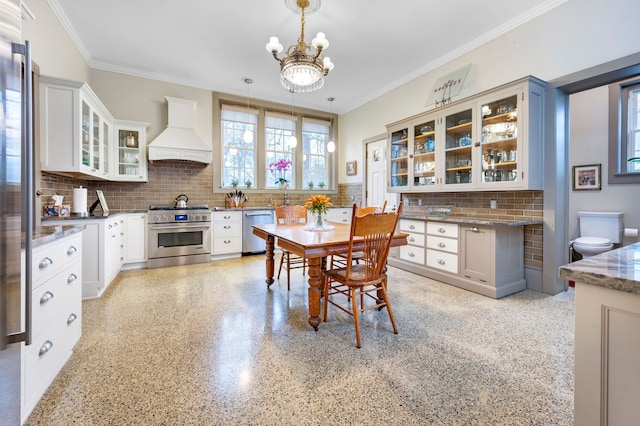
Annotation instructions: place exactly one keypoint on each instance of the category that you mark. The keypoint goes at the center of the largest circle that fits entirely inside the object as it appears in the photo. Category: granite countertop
(473, 220)
(616, 269)
(47, 234)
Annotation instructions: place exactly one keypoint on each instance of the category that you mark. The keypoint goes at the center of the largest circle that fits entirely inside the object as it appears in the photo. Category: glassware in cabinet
(424, 154)
(130, 158)
(458, 147)
(86, 132)
(399, 158)
(499, 151)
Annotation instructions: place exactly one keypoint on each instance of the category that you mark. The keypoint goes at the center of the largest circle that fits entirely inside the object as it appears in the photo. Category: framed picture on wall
(586, 177)
(352, 168)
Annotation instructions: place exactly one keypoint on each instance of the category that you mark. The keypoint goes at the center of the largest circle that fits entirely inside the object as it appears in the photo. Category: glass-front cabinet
(491, 141)
(94, 133)
(130, 157)
(399, 159)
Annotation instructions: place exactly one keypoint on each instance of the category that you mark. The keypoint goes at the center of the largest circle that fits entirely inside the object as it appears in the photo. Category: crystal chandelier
(302, 69)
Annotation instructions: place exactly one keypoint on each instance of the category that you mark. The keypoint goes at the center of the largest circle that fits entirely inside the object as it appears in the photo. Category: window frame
(618, 132)
(261, 184)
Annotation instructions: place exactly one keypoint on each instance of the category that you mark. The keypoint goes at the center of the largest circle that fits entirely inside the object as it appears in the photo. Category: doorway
(375, 185)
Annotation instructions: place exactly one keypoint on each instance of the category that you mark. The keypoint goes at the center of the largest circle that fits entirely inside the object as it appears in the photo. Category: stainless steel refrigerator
(16, 206)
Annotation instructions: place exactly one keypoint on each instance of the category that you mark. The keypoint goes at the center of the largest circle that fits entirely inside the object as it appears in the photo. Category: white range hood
(179, 141)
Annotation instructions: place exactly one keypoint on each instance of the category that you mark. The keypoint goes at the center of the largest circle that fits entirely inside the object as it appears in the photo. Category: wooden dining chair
(366, 281)
(289, 215)
(341, 259)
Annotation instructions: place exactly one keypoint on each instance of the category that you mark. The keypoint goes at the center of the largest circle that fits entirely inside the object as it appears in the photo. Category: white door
(377, 176)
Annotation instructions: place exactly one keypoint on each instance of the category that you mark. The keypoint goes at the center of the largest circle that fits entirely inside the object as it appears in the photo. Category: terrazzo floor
(209, 344)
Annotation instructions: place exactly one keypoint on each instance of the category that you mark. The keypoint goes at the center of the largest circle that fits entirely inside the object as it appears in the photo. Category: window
(315, 136)
(278, 129)
(624, 132)
(239, 152)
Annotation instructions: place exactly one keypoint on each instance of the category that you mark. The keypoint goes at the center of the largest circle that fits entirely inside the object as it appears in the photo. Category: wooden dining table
(315, 246)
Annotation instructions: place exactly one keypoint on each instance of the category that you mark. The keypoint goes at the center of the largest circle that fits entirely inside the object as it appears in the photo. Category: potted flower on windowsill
(279, 169)
(318, 205)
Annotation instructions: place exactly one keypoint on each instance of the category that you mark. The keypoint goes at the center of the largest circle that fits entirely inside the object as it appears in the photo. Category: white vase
(282, 185)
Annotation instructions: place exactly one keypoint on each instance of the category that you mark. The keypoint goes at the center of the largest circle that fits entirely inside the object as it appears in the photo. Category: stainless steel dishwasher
(250, 243)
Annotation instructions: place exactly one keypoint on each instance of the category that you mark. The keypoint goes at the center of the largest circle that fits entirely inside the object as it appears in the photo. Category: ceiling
(376, 45)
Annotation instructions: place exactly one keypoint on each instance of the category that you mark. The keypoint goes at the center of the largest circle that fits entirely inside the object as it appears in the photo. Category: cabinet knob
(71, 318)
(412, 227)
(411, 239)
(227, 241)
(345, 220)
(474, 229)
(412, 254)
(71, 250)
(440, 261)
(45, 262)
(442, 230)
(441, 244)
(46, 347)
(227, 227)
(46, 297)
(71, 278)
(227, 217)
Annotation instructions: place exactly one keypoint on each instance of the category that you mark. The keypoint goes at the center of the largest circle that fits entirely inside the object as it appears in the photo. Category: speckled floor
(210, 345)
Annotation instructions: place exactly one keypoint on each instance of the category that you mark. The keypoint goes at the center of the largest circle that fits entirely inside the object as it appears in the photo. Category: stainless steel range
(178, 235)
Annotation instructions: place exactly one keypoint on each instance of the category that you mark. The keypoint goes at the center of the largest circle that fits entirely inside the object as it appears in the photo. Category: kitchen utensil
(181, 201)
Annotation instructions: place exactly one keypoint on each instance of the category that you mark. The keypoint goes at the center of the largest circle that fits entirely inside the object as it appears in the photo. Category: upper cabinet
(78, 135)
(492, 141)
(130, 160)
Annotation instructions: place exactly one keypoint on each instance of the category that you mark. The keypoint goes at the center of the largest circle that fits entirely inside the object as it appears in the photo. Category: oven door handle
(177, 226)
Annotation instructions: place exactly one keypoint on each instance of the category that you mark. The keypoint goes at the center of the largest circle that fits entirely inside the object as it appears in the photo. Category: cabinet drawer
(441, 260)
(227, 229)
(227, 216)
(411, 225)
(444, 244)
(51, 258)
(227, 245)
(61, 293)
(442, 229)
(412, 254)
(415, 239)
(339, 215)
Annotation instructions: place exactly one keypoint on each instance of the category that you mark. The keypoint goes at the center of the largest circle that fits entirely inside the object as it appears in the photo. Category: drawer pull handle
(227, 227)
(227, 217)
(441, 244)
(412, 239)
(46, 347)
(442, 230)
(71, 318)
(474, 229)
(227, 241)
(412, 254)
(345, 212)
(46, 297)
(412, 227)
(71, 278)
(345, 220)
(45, 262)
(71, 250)
(441, 262)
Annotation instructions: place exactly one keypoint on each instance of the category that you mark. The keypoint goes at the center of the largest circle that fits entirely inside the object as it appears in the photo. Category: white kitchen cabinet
(339, 214)
(56, 306)
(104, 250)
(491, 141)
(130, 152)
(135, 238)
(414, 251)
(442, 246)
(76, 130)
(227, 232)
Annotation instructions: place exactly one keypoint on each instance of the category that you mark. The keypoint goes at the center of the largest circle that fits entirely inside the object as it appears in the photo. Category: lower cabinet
(340, 215)
(488, 260)
(56, 306)
(135, 243)
(104, 253)
(227, 233)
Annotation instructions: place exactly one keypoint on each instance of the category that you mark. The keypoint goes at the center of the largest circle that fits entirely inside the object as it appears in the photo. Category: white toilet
(599, 231)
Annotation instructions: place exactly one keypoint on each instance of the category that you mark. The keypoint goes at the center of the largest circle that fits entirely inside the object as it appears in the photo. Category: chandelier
(302, 69)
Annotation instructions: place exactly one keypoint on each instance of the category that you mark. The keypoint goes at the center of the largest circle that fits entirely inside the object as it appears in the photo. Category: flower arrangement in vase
(279, 169)
(319, 206)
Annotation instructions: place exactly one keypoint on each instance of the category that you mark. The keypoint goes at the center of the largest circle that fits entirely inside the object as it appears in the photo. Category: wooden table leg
(269, 259)
(315, 290)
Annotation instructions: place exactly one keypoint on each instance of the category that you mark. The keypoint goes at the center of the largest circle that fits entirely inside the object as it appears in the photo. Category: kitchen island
(607, 342)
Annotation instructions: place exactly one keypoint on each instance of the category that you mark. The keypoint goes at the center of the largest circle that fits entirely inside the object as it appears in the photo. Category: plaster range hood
(179, 141)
